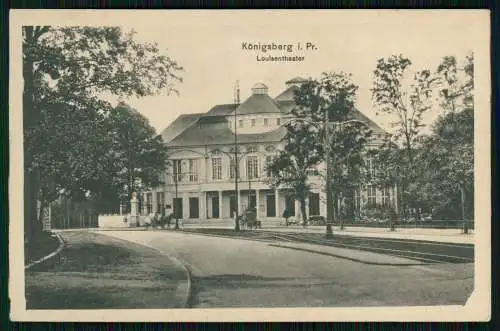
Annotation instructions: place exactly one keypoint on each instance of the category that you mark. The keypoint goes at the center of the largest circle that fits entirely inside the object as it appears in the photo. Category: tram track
(373, 245)
(422, 251)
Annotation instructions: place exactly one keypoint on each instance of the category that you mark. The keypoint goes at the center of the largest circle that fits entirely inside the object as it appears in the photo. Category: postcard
(250, 165)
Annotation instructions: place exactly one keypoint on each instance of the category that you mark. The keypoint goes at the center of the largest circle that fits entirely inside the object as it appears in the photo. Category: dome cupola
(259, 88)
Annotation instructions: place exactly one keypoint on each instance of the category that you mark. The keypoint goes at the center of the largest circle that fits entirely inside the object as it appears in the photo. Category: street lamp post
(462, 200)
(176, 184)
(236, 163)
(329, 232)
(249, 191)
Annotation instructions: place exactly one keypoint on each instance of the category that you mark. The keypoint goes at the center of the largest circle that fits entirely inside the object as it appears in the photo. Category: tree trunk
(40, 212)
(462, 203)
(303, 211)
(30, 117)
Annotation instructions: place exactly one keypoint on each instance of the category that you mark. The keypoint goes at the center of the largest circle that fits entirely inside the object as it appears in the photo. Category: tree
(452, 139)
(321, 103)
(347, 164)
(70, 154)
(72, 68)
(289, 168)
(331, 100)
(407, 102)
(449, 155)
(442, 167)
(455, 83)
(138, 154)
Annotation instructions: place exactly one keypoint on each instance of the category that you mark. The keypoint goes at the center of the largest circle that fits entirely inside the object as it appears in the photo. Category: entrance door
(178, 207)
(271, 206)
(232, 206)
(215, 207)
(290, 205)
(252, 199)
(194, 208)
(314, 204)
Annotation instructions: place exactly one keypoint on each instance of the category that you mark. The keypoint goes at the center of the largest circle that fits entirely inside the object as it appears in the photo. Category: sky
(208, 45)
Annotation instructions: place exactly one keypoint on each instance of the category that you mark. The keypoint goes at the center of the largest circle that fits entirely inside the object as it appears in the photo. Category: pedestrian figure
(168, 216)
(148, 220)
(286, 216)
(156, 219)
(163, 219)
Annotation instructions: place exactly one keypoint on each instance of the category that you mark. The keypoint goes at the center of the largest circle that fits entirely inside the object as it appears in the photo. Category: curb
(348, 258)
(187, 288)
(313, 251)
(184, 286)
(51, 255)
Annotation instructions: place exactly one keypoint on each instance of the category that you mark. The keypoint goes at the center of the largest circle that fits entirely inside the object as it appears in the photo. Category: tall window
(232, 168)
(278, 121)
(177, 167)
(357, 199)
(386, 196)
(252, 167)
(240, 123)
(372, 195)
(253, 121)
(149, 203)
(252, 149)
(266, 121)
(193, 170)
(371, 167)
(160, 202)
(269, 159)
(216, 168)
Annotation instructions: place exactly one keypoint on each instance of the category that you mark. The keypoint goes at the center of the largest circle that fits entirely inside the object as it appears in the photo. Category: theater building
(200, 183)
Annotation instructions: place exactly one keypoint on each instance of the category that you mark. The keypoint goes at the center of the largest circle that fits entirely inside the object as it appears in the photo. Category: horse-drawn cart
(249, 219)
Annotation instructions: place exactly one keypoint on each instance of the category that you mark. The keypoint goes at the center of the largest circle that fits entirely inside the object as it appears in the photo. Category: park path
(230, 272)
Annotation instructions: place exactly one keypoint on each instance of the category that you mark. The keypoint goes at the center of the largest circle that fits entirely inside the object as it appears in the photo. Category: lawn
(43, 245)
(95, 271)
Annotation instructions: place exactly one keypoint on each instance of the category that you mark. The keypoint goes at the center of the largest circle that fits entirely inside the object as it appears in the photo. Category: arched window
(252, 149)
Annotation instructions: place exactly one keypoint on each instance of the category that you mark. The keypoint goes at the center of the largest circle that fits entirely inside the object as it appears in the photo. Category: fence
(72, 221)
(435, 224)
(67, 214)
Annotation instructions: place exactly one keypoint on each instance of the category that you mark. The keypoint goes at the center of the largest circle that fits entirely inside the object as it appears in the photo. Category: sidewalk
(438, 235)
(96, 271)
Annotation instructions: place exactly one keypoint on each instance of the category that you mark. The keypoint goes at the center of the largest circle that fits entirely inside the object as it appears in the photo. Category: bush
(376, 214)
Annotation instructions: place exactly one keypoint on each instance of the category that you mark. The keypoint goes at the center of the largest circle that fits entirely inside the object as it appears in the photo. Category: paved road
(242, 273)
(424, 251)
(422, 234)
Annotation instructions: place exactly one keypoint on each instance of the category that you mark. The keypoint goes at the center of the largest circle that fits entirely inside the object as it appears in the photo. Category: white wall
(259, 123)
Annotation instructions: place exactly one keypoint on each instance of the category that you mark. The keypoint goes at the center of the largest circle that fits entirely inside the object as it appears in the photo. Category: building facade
(200, 182)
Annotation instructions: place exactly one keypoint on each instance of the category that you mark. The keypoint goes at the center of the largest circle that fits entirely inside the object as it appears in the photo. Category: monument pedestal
(134, 216)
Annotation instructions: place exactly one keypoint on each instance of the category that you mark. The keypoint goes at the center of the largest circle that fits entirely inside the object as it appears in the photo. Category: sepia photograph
(250, 165)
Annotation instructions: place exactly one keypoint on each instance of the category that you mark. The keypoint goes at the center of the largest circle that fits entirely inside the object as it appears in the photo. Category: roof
(286, 106)
(180, 124)
(288, 94)
(259, 85)
(257, 104)
(221, 110)
(200, 135)
(212, 127)
(296, 80)
(126, 106)
(356, 114)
